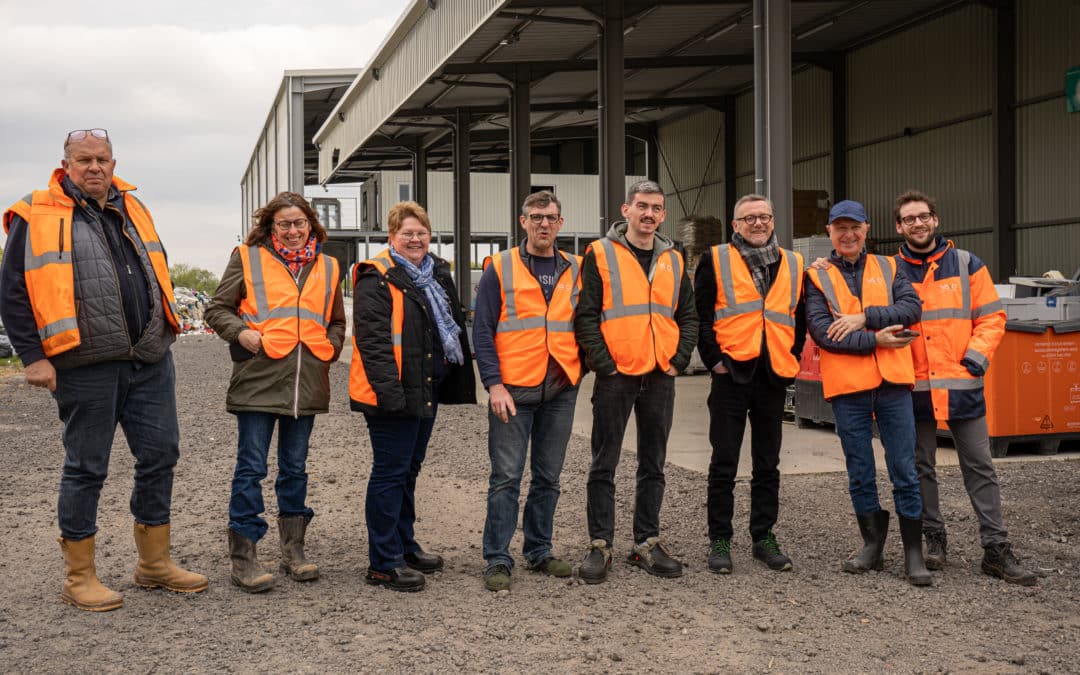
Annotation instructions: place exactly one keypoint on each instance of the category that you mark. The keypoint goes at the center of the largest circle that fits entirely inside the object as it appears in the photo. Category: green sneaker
(497, 578)
(768, 552)
(553, 567)
(720, 556)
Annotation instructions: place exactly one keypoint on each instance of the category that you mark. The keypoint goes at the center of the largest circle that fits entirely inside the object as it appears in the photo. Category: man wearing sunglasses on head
(528, 359)
(89, 307)
(962, 324)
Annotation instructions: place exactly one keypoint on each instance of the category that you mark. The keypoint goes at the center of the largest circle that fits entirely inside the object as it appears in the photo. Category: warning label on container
(1046, 423)
(1055, 350)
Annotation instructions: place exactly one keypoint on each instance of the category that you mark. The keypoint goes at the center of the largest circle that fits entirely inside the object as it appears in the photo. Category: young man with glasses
(962, 324)
(753, 327)
(637, 324)
(528, 360)
(88, 304)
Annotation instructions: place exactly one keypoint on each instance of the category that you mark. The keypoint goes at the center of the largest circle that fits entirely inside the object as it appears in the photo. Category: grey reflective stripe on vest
(575, 273)
(618, 309)
(728, 283)
(949, 383)
(887, 272)
(964, 262)
(964, 311)
(154, 247)
(986, 309)
(262, 304)
(36, 262)
(513, 323)
(977, 358)
(676, 270)
(828, 291)
(57, 327)
(329, 288)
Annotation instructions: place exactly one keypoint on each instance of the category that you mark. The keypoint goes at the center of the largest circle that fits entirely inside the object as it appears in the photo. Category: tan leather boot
(246, 571)
(156, 569)
(81, 586)
(292, 530)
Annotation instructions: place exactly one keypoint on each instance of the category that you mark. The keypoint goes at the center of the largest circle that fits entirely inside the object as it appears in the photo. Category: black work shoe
(652, 558)
(401, 579)
(594, 568)
(935, 548)
(424, 562)
(999, 561)
(720, 556)
(768, 552)
(497, 578)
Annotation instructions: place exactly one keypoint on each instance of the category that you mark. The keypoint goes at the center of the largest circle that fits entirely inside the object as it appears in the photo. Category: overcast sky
(183, 89)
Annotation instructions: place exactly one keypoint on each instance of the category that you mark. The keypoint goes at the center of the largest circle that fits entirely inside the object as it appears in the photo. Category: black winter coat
(414, 394)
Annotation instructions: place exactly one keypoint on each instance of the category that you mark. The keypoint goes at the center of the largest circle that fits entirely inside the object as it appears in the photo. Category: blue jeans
(399, 445)
(855, 413)
(548, 424)
(255, 430)
(92, 400)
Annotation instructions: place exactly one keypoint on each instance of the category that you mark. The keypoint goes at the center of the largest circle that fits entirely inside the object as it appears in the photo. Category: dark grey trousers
(973, 450)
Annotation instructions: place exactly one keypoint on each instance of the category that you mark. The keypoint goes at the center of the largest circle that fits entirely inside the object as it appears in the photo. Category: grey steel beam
(772, 110)
(612, 116)
(296, 135)
(419, 174)
(635, 63)
(462, 207)
(560, 106)
(520, 147)
(1004, 135)
(652, 153)
(730, 189)
(839, 127)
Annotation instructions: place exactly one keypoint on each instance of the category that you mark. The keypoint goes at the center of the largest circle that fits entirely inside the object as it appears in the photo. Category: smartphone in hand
(906, 333)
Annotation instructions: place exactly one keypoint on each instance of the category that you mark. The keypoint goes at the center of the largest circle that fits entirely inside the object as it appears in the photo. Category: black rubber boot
(874, 527)
(914, 565)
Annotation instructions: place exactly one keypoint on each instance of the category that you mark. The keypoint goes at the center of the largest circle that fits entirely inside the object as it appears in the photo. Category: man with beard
(637, 324)
(962, 324)
(753, 326)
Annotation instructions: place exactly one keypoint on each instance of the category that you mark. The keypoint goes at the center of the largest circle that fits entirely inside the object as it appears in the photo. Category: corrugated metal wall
(692, 166)
(281, 120)
(935, 74)
(428, 43)
(1048, 139)
(811, 130)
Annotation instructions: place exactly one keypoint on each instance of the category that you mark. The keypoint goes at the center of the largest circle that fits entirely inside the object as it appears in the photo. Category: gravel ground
(815, 619)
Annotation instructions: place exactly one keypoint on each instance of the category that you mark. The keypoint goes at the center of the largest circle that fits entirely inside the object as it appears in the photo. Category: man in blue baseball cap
(857, 310)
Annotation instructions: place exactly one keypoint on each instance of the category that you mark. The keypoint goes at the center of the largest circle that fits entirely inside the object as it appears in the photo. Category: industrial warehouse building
(470, 104)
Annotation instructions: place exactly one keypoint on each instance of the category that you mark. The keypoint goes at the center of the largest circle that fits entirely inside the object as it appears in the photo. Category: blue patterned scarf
(423, 277)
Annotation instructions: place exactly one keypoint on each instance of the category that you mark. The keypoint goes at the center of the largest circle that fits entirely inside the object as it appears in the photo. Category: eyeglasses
(923, 218)
(409, 236)
(80, 134)
(538, 218)
(764, 219)
(286, 225)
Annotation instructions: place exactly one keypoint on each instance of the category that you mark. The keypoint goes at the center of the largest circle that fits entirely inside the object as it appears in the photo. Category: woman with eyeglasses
(410, 354)
(279, 307)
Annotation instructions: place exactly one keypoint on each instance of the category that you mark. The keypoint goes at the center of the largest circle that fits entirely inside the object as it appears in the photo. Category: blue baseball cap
(848, 209)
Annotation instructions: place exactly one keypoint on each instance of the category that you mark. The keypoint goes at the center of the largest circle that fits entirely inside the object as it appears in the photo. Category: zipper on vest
(60, 237)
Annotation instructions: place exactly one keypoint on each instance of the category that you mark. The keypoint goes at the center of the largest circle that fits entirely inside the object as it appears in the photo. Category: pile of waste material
(698, 233)
(5, 344)
(191, 304)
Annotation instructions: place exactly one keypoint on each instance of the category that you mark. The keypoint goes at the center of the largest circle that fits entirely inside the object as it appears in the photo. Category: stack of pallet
(697, 234)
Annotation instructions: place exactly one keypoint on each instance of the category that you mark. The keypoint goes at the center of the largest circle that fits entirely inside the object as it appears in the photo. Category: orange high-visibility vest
(962, 318)
(529, 327)
(359, 388)
(851, 373)
(741, 314)
(284, 314)
(50, 277)
(637, 317)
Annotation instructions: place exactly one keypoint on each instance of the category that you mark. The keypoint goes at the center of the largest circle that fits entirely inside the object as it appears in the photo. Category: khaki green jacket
(297, 384)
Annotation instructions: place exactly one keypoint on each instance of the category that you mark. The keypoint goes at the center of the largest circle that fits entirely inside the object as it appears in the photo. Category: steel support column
(1004, 134)
(297, 137)
(419, 173)
(462, 209)
(839, 127)
(612, 116)
(772, 110)
(730, 190)
(652, 153)
(520, 146)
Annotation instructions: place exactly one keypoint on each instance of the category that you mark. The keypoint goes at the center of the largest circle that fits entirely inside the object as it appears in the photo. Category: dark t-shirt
(644, 257)
(544, 271)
